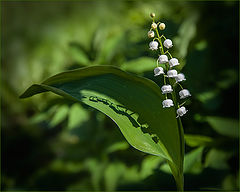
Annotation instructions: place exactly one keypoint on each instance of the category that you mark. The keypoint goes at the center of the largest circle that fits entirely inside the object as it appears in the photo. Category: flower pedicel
(170, 63)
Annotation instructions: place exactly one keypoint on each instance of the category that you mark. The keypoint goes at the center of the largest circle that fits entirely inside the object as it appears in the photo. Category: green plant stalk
(159, 40)
(178, 176)
(177, 173)
(180, 85)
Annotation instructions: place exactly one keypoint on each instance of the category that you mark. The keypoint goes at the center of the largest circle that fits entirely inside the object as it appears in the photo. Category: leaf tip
(32, 90)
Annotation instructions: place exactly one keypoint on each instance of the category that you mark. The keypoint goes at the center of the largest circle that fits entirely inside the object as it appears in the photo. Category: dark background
(46, 146)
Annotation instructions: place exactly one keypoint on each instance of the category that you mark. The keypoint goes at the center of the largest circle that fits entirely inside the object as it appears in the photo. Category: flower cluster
(170, 74)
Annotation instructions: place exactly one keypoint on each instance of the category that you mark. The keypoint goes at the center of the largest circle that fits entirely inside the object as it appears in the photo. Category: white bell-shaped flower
(167, 43)
(184, 94)
(158, 71)
(166, 89)
(172, 73)
(162, 59)
(180, 77)
(167, 103)
(173, 62)
(153, 45)
(181, 111)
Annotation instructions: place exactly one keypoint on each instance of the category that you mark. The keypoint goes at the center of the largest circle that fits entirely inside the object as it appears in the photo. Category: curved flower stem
(168, 54)
(181, 104)
(180, 85)
(164, 79)
(163, 37)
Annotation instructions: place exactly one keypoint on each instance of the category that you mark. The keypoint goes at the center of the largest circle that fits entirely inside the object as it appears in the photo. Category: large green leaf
(197, 140)
(224, 126)
(133, 103)
(192, 162)
(140, 65)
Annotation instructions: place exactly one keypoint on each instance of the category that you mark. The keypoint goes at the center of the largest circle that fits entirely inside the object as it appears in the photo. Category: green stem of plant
(177, 173)
(168, 54)
(180, 85)
(179, 184)
(178, 176)
(182, 104)
(159, 40)
(164, 79)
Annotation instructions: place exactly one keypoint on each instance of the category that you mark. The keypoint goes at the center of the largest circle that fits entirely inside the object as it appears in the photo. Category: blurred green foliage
(49, 143)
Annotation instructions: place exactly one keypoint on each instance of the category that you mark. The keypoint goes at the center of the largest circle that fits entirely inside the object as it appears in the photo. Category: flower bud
(166, 89)
(153, 45)
(167, 103)
(181, 111)
(152, 15)
(162, 26)
(150, 34)
(172, 73)
(162, 59)
(167, 43)
(154, 25)
(158, 71)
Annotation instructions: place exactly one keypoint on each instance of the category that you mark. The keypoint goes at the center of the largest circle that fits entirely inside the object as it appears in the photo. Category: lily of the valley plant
(161, 43)
(148, 117)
